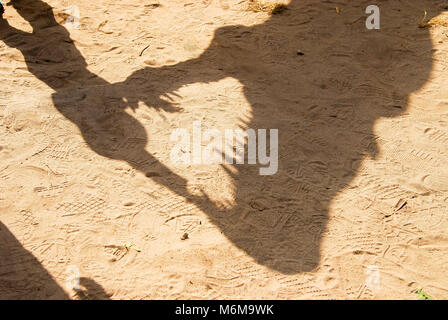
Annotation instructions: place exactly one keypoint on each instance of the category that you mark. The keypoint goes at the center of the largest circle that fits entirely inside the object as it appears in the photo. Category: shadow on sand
(22, 277)
(324, 103)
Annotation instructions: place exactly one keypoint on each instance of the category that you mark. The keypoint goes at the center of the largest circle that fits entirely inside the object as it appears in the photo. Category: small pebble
(184, 236)
(300, 53)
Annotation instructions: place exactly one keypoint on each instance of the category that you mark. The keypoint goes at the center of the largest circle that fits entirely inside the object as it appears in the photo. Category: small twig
(423, 24)
(144, 50)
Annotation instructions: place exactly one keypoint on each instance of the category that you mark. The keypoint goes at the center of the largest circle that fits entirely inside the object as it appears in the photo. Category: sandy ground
(357, 209)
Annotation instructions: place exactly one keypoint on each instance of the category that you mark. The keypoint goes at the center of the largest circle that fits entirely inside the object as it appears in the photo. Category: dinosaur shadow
(324, 103)
(23, 277)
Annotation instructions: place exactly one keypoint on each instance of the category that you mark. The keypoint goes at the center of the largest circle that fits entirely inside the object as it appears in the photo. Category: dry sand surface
(357, 209)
